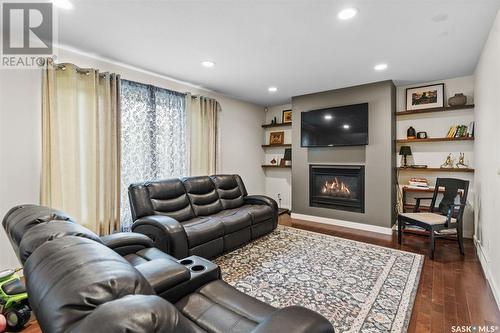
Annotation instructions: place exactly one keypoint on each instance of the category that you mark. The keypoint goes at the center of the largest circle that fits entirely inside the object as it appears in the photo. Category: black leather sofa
(203, 216)
(79, 282)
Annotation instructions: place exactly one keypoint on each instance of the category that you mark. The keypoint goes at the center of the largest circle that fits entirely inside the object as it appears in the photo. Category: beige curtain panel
(81, 145)
(203, 113)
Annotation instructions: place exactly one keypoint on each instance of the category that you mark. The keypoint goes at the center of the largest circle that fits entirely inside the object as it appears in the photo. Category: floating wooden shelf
(442, 109)
(276, 166)
(465, 138)
(413, 189)
(406, 188)
(437, 169)
(276, 125)
(277, 146)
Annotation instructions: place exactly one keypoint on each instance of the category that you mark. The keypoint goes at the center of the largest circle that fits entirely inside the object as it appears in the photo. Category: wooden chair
(448, 215)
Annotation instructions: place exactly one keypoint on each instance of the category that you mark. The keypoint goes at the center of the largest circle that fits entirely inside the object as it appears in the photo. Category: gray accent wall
(378, 156)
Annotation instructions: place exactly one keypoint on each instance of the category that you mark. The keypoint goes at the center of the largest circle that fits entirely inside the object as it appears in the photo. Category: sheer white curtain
(153, 137)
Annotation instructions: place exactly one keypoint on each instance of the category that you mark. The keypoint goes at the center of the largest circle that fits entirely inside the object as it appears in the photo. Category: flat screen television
(338, 126)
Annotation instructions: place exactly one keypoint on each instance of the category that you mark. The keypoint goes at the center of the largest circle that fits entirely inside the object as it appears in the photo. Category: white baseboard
(342, 223)
(485, 264)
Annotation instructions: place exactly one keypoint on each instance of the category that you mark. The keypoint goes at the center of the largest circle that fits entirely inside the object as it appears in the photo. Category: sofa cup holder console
(196, 265)
(201, 272)
(186, 262)
(197, 268)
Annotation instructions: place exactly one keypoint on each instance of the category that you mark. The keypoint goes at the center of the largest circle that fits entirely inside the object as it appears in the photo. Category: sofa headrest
(21, 218)
(138, 314)
(229, 190)
(47, 231)
(202, 195)
(182, 199)
(69, 277)
(163, 197)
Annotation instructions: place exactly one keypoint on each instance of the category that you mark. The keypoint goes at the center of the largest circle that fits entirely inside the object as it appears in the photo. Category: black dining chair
(448, 215)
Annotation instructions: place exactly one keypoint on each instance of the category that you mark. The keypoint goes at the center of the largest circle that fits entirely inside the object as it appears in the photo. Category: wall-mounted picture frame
(425, 97)
(287, 116)
(277, 138)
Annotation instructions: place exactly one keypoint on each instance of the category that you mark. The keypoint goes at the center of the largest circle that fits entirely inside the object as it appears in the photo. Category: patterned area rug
(359, 287)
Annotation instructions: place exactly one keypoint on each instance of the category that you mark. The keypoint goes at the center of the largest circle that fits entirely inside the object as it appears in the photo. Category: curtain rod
(85, 71)
(196, 96)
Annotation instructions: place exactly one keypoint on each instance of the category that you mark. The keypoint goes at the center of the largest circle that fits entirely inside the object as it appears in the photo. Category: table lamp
(405, 151)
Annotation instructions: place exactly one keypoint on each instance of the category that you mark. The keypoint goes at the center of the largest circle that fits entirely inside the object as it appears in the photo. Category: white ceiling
(298, 46)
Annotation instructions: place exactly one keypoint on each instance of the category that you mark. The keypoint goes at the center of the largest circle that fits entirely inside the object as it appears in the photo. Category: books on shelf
(418, 183)
(471, 129)
(461, 131)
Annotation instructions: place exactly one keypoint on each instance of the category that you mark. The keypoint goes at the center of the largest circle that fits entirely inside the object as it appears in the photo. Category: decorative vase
(458, 99)
(411, 134)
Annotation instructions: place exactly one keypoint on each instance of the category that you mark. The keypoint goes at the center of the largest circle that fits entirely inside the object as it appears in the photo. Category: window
(153, 138)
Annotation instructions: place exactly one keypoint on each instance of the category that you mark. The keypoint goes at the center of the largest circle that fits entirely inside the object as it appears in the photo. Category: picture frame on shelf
(286, 116)
(425, 97)
(276, 138)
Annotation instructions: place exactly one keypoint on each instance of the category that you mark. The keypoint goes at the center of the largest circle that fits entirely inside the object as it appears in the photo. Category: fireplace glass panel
(344, 187)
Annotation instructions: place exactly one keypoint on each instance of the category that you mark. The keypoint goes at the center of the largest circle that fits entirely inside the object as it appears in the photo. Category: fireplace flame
(336, 187)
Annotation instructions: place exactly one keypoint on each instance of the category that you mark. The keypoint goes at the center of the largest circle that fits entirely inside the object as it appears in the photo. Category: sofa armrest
(127, 242)
(135, 313)
(295, 319)
(163, 274)
(263, 200)
(167, 234)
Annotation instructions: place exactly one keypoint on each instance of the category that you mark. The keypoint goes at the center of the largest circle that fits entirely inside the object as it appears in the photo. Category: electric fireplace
(337, 187)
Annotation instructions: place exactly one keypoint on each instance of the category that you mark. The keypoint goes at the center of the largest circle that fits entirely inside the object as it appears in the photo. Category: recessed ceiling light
(328, 117)
(380, 67)
(64, 4)
(347, 13)
(208, 64)
(272, 89)
(346, 126)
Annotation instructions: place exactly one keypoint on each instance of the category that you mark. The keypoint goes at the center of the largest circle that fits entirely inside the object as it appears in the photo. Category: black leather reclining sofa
(203, 216)
(79, 282)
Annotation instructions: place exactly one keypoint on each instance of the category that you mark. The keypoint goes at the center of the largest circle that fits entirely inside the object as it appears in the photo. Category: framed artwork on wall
(287, 116)
(425, 97)
(277, 138)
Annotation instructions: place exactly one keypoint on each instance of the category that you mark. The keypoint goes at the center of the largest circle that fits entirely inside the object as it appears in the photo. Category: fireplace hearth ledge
(342, 223)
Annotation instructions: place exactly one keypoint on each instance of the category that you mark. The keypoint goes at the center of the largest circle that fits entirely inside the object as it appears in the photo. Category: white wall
(437, 125)
(20, 147)
(277, 181)
(20, 133)
(487, 152)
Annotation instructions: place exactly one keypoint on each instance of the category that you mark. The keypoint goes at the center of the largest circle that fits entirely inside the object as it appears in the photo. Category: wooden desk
(408, 208)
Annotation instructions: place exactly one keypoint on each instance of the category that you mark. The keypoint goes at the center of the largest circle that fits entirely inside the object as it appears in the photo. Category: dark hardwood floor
(452, 290)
